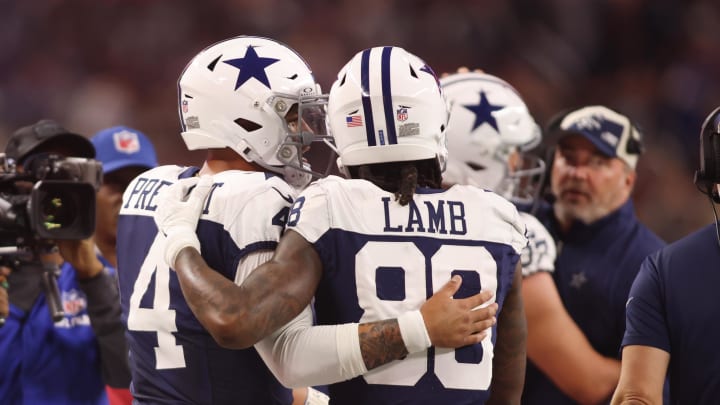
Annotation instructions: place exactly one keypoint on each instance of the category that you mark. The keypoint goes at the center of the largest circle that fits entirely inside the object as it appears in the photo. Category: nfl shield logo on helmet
(126, 142)
(402, 113)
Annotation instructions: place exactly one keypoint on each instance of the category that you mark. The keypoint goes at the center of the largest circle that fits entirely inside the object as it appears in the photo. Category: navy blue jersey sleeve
(645, 308)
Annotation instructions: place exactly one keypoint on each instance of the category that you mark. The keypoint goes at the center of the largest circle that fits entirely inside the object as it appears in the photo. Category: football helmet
(238, 93)
(387, 106)
(489, 122)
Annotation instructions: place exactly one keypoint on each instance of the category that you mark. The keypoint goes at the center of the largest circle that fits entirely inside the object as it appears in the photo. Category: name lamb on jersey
(441, 217)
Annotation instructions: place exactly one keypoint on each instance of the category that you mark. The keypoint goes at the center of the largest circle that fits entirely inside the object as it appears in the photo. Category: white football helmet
(488, 122)
(387, 106)
(237, 93)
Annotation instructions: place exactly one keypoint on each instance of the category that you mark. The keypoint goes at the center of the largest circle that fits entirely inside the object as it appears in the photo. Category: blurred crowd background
(92, 64)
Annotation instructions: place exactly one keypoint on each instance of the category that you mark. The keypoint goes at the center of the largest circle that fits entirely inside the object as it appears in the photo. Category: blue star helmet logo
(483, 112)
(251, 66)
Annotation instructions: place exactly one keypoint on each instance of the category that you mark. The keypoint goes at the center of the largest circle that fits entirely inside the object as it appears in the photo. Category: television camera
(49, 198)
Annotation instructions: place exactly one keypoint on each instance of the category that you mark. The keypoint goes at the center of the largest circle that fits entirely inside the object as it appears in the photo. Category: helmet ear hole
(247, 125)
(412, 72)
(211, 65)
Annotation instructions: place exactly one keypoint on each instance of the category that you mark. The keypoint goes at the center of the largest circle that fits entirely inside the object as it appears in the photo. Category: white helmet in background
(387, 106)
(237, 93)
(488, 123)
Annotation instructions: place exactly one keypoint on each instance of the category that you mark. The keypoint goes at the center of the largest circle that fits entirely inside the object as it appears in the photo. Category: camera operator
(124, 153)
(66, 361)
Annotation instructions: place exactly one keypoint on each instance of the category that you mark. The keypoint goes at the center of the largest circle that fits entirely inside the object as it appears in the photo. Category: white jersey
(173, 358)
(540, 253)
(381, 259)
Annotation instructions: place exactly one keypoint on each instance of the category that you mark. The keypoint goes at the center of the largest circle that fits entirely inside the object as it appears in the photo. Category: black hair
(400, 178)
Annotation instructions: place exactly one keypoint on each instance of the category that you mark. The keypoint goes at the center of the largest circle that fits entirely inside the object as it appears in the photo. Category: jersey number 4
(160, 318)
(474, 375)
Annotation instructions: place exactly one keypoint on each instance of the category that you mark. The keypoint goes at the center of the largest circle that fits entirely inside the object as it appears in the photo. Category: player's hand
(178, 212)
(455, 323)
(4, 302)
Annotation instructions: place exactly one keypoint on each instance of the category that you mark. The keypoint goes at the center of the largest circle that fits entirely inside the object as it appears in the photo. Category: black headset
(709, 173)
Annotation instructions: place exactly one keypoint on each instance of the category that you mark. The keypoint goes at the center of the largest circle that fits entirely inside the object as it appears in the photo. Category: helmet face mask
(386, 106)
(237, 94)
(521, 184)
(304, 123)
(490, 130)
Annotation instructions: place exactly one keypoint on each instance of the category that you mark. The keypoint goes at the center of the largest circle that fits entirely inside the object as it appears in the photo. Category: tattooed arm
(508, 375)
(239, 316)
(381, 342)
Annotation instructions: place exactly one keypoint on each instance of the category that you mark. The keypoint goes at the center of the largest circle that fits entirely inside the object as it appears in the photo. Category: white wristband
(176, 240)
(413, 331)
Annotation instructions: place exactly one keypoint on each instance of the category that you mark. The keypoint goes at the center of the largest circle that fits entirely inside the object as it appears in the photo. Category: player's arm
(646, 344)
(642, 377)
(557, 346)
(238, 316)
(300, 354)
(508, 371)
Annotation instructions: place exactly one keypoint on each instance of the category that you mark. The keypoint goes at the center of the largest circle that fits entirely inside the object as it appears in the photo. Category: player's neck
(220, 160)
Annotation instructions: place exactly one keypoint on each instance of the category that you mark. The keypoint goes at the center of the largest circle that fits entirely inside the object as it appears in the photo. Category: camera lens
(62, 209)
(59, 210)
